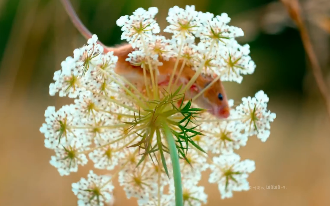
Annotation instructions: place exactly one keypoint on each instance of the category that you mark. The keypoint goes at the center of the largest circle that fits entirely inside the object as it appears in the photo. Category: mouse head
(214, 98)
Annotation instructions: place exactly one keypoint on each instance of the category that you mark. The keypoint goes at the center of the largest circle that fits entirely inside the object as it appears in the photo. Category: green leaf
(159, 141)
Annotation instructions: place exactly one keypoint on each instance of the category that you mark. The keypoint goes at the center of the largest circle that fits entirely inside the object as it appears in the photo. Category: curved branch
(76, 21)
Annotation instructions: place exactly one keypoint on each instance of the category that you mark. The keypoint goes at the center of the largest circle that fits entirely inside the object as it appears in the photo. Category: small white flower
(155, 169)
(165, 200)
(139, 58)
(183, 22)
(160, 46)
(137, 183)
(67, 81)
(223, 136)
(192, 169)
(188, 52)
(141, 23)
(106, 66)
(88, 56)
(230, 173)
(68, 157)
(99, 128)
(192, 194)
(107, 155)
(216, 29)
(208, 58)
(235, 62)
(89, 104)
(57, 129)
(202, 141)
(96, 190)
(255, 116)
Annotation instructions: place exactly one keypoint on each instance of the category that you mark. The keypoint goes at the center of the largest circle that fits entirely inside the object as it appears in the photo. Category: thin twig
(293, 8)
(76, 21)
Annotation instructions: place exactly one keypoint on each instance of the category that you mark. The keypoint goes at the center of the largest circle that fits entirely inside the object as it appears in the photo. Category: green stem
(175, 164)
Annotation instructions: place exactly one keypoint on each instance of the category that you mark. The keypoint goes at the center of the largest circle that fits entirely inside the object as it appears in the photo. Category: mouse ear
(194, 88)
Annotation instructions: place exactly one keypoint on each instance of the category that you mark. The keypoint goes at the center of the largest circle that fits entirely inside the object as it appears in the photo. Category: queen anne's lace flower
(224, 136)
(137, 183)
(255, 116)
(105, 66)
(235, 62)
(189, 52)
(216, 29)
(140, 23)
(94, 191)
(165, 200)
(183, 22)
(192, 169)
(161, 46)
(139, 58)
(121, 125)
(106, 157)
(208, 58)
(57, 128)
(230, 174)
(88, 56)
(192, 194)
(66, 81)
(68, 157)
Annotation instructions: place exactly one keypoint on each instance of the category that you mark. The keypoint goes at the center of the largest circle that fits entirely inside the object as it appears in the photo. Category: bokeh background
(36, 35)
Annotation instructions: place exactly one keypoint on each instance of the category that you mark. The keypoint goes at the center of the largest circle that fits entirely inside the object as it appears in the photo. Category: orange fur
(209, 100)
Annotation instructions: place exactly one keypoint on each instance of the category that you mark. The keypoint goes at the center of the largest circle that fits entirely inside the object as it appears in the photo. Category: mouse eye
(220, 97)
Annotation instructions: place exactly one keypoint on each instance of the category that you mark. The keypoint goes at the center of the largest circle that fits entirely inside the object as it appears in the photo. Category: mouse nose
(224, 112)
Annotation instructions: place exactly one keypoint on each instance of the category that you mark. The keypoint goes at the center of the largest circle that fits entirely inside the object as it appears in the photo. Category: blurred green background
(36, 35)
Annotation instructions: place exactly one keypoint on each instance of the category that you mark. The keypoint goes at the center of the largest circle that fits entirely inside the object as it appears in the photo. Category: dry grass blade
(294, 10)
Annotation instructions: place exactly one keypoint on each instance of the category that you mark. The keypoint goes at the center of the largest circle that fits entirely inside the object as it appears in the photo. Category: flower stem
(179, 75)
(208, 86)
(176, 63)
(175, 165)
(199, 70)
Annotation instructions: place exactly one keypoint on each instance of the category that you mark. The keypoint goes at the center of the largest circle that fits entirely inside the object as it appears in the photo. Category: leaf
(159, 141)
(197, 146)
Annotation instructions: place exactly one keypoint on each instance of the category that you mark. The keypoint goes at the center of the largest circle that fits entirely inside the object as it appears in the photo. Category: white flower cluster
(255, 116)
(97, 126)
(218, 52)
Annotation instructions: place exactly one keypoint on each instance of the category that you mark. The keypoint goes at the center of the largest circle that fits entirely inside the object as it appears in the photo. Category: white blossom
(165, 200)
(223, 136)
(107, 155)
(230, 173)
(160, 46)
(120, 125)
(140, 23)
(197, 163)
(235, 62)
(188, 52)
(183, 22)
(68, 157)
(88, 56)
(67, 80)
(57, 129)
(216, 29)
(255, 116)
(139, 58)
(96, 190)
(192, 194)
(137, 183)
